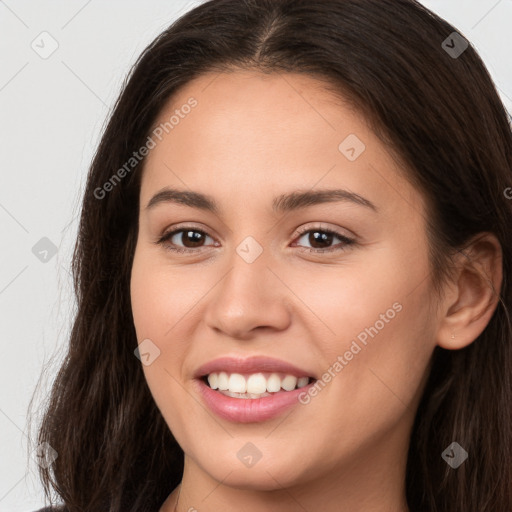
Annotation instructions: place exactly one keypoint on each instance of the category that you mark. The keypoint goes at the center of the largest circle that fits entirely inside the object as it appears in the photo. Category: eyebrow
(283, 203)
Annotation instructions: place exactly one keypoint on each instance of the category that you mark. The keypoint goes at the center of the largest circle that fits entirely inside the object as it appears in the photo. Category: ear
(472, 297)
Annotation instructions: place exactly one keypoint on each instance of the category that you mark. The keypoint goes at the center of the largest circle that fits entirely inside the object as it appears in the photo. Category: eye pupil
(323, 237)
(194, 235)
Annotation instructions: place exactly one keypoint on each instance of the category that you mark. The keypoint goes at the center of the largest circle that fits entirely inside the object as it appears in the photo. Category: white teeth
(289, 382)
(245, 395)
(302, 381)
(273, 383)
(213, 380)
(222, 381)
(255, 385)
(237, 383)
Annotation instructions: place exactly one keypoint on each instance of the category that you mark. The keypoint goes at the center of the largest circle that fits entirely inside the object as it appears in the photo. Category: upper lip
(252, 364)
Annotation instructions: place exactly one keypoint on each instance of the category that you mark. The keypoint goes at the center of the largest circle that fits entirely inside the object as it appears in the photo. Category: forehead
(251, 133)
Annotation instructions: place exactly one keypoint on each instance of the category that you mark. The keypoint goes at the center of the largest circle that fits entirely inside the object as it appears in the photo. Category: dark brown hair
(441, 115)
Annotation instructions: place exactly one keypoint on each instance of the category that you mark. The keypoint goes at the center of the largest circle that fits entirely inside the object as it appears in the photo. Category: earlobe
(470, 303)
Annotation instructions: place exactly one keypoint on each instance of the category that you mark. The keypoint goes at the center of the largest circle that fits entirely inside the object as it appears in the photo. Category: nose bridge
(247, 282)
(249, 295)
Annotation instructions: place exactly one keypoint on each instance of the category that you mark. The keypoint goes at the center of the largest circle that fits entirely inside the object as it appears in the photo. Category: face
(338, 286)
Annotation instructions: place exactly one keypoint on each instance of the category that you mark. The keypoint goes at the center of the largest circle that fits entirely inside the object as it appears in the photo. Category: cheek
(374, 316)
(156, 308)
(157, 300)
(374, 294)
(377, 355)
(153, 304)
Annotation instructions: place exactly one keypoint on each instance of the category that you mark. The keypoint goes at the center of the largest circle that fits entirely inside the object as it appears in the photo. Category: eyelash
(346, 241)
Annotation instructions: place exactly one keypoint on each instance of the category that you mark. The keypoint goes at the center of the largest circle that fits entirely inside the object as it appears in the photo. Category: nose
(249, 296)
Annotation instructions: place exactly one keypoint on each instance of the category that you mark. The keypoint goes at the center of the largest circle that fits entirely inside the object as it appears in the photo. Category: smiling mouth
(255, 385)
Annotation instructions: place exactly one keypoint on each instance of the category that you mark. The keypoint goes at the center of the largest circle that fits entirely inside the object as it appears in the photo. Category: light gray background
(51, 113)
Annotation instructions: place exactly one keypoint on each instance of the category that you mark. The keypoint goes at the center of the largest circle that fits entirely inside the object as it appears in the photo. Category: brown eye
(191, 238)
(194, 238)
(324, 238)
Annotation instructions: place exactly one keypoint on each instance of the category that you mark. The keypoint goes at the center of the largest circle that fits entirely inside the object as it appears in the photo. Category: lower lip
(250, 410)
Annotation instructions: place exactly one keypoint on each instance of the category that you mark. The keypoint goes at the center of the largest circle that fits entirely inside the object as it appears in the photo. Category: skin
(250, 138)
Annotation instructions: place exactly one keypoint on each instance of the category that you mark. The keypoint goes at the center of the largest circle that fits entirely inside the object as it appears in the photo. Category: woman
(217, 360)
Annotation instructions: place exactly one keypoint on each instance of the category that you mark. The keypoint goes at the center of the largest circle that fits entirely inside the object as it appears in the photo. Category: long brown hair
(439, 112)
